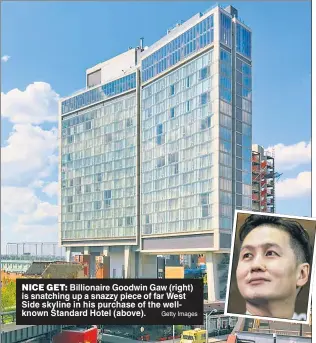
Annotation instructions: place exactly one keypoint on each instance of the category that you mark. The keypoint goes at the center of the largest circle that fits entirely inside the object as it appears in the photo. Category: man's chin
(257, 299)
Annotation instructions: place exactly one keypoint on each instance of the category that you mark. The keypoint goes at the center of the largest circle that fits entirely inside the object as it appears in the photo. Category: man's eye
(271, 253)
(246, 255)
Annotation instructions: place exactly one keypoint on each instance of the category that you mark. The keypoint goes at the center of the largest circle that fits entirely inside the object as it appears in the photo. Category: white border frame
(231, 265)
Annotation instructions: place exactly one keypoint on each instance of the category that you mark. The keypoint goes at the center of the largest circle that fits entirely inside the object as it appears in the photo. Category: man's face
(267, 267)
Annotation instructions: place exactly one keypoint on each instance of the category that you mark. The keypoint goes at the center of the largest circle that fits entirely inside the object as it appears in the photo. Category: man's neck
(280, 309)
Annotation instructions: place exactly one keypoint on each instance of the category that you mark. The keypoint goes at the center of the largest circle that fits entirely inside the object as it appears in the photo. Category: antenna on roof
(142, 43)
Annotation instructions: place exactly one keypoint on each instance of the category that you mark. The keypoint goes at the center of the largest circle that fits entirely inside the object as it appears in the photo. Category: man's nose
(258, 264)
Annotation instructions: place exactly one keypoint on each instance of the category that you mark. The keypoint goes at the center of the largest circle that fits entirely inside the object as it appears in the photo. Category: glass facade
(243, 41)
(191, 41)
(225, 141)
(195, 144)
(243, 127)
(98, 171)
(225, 29)
(191, 118)
(103, 92)
(178, 143)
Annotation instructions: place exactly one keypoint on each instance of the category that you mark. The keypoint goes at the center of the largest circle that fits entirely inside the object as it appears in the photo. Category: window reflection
(184, 45)
(100, 93)
(243, 40)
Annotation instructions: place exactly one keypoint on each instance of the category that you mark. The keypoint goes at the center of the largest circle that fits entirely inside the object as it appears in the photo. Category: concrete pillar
(137, 265)
(212, 277)
(129, 263)
(148, 266)
(106, 251)
(93, 265)
(68, 254)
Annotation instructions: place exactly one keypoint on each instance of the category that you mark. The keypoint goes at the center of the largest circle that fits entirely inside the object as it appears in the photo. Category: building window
(203, 98)
(205, 123)
(160, 139)
(174, 157)
(188, 106)
(107, 194)
(204, 199)
(160, 161)
(172, 112)
(205, 211)
(238, 126)
(238, 200)
(172, 90)
(188, 82)
(97, 205)
(204, 73)
(238, 187)
(238, 151)
(243, 41)
(129, 122)
(239, 175)
(239, 138)
(159, 129)
(88, 125)
(129, 221)
(246, 178)
(176, 169)
(147, 219)
(239, 163)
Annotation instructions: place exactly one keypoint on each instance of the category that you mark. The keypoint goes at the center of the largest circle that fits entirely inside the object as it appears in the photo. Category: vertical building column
(106, 251)
(148, 266)
(68, 254)
(129, 262)
(90, 261)
(212, 276)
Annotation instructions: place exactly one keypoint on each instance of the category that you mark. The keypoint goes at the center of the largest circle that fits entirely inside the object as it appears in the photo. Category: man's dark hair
(299, 238)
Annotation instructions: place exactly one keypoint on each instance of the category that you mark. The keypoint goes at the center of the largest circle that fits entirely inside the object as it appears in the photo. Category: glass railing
(31, 258)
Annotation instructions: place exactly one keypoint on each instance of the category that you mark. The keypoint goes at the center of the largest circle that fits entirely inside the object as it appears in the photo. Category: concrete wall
(148, 266)
(268, 338)
(116, 262)
(198, 242)
(116, 67)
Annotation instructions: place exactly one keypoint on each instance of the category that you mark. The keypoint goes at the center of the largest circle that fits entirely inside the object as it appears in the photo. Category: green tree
(8, 294)
(178, 329)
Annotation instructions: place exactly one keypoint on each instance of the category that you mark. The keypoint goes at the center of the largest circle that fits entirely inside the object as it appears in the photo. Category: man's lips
(258, 281)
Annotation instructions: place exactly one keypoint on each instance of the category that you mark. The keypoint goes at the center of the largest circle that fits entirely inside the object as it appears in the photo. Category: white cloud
(51, 189)
(17, 200)
(291, 156)
(30, 233)
(5, 58)
(37, 184)
(38, 103)
(26, 208)
(44, 214)
(294, 187)
(30, 154)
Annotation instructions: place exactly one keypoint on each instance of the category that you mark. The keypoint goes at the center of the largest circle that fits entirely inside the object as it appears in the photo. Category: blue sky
(53, 43)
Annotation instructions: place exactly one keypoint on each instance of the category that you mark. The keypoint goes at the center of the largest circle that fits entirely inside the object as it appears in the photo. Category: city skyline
(29, 187)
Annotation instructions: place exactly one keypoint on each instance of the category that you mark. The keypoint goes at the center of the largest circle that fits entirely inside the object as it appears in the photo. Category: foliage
(178, 329)
(8, 294)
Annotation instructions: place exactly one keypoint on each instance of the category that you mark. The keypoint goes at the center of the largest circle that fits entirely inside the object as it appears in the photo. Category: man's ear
(302, 274)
